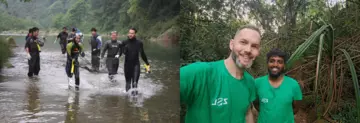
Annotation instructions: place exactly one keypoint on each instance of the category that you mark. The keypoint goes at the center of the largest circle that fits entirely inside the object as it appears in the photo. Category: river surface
(47, 98)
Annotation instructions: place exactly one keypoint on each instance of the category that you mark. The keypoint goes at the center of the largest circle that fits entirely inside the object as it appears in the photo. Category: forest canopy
(150, 17)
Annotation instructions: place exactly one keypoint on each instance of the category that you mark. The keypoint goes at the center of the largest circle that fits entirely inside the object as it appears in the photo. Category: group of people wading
(72, 47)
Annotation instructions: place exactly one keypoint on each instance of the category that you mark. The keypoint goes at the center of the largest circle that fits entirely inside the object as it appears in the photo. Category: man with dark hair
(132, 28)
(33, 50)
(95, 43)
(62, 35)
(132, 48)
(278, 95)
(114, 51)
(222, 91)
(29, 34)
(71, 37)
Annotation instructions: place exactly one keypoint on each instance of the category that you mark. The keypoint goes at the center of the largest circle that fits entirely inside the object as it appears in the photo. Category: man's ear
(231, 44)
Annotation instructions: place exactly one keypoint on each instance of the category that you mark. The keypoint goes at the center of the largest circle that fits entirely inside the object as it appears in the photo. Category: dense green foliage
(208, 26)
(5, 52)
(150, 17)
(13, 23)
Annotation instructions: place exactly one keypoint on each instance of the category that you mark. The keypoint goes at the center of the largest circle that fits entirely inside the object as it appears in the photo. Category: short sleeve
(190, 77)
(256, 84)
(252, 89)
(297, 91)
(250, 83)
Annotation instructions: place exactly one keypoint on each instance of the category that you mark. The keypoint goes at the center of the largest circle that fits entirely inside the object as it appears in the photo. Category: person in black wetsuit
(63, 36)
(132, 48)
(113, 48)
(33, 50)
(95, 42)
(27, 36)
(71, 37)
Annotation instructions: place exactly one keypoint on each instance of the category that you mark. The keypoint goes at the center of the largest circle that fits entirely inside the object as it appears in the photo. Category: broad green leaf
(355, 81)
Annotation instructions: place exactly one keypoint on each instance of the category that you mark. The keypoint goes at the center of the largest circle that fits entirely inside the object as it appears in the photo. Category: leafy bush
(5, 52)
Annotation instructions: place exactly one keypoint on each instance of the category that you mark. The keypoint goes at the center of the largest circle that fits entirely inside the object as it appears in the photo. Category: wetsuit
(95, 43)
(63, 41)
(132, 49)
(113, 47)
(34, 44)
(71, 38)
(26, 38)
(73, 51)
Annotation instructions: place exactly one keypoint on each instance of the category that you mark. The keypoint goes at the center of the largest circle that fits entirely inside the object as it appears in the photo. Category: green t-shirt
(276, 103)
(212, 95)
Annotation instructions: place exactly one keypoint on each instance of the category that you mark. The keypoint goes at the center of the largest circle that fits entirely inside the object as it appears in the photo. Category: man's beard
(237, 61)
(277, 75)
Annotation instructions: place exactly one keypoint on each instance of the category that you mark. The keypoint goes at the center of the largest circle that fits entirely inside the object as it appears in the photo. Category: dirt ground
(300, 117)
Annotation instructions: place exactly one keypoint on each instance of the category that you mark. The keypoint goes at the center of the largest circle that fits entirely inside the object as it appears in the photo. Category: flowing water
(47, 98)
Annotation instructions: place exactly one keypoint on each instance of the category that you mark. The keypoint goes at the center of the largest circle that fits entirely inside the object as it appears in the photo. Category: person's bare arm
(297, 98)
(296, 106)
(250, 116)
(257, 105)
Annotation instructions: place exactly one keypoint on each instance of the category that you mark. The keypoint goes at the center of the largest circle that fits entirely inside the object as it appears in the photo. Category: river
(47, 98)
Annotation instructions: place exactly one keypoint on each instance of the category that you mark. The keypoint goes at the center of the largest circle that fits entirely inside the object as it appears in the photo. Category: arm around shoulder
(191, 77)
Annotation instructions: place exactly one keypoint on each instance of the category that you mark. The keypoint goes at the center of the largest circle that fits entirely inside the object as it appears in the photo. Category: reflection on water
(47, 98)
(33, 99)
(72, 107)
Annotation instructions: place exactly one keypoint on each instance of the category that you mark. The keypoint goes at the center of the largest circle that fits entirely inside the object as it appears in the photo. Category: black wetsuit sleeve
(58, 35)
(70, 37)
(104, 49)
(123, 43)
(143, 55)
(41, 42)
(27, 43)
(120, 48)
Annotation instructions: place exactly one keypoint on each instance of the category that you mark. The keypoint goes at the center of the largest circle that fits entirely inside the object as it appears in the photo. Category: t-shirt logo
(264, 100)
(220, 102)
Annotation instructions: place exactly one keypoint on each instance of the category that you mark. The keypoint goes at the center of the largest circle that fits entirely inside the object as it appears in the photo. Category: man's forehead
(248, 34)
(248, 30)
(276, 57)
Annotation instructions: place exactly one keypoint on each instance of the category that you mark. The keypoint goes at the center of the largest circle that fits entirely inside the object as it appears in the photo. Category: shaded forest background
(322, 36)
(151, 17)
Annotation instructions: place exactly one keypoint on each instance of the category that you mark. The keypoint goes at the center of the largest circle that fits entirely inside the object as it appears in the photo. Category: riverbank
(168, 38)
(42, 33)
(5, 53)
